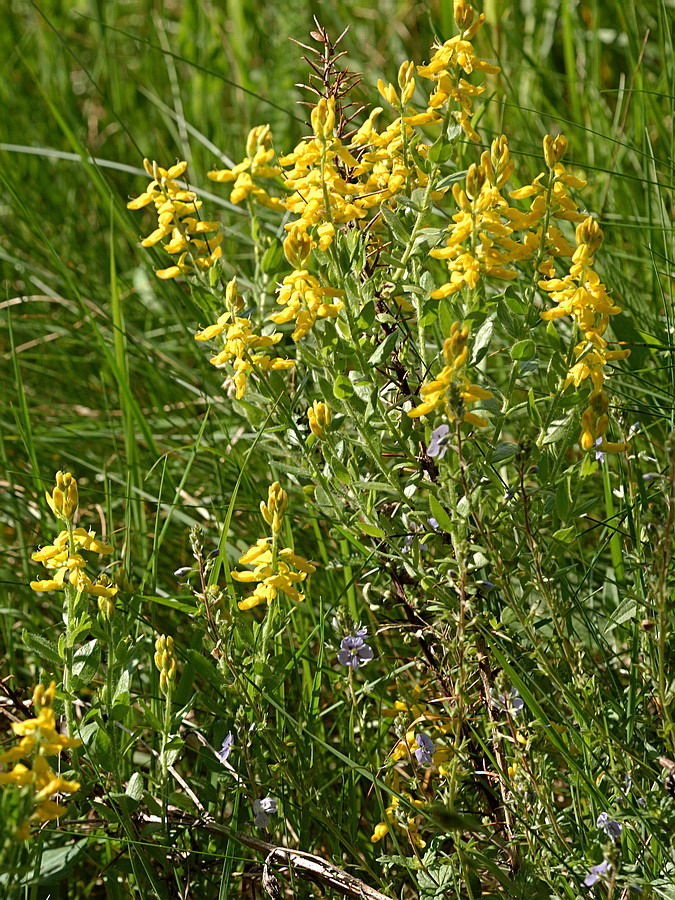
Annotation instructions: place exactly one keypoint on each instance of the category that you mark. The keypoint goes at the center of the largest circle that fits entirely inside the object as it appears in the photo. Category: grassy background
(100, 372)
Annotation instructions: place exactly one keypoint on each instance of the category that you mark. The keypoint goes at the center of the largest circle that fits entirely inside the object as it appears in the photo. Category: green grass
(102, 376)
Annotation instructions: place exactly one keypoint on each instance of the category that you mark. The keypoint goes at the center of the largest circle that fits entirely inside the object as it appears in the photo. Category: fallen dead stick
(304, 864)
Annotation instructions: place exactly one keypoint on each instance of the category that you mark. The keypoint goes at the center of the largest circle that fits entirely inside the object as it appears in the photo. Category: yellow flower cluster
(256, 164)
(272, 566)
(550, 200)
(451, 61)
(452, 388)
(304, 299)
(178, 219)
(480, 242)
(39, 740)
(243, 349)
(403, 820)
(63, 558)
(581, 295)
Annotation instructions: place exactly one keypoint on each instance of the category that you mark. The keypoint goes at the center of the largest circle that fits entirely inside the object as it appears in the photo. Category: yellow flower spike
(319, 416)
(273, 567)
(165, 662)
(176, 210)
(439, 391)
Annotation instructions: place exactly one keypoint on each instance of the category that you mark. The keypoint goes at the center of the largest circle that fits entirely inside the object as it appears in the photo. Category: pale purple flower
(507, 701)
(425, 749)
(599, 455)
(226, 749)
(596, 872)
(611, 827)
(262, 809)
(353, 650)
(438, 445)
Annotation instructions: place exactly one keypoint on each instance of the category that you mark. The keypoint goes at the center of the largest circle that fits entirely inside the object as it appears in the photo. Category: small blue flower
(425, 749)
(596, 872)
(611, 827)
(262, 809)
(507, 701)
(226, 749)
(438, 445)
(353, 650)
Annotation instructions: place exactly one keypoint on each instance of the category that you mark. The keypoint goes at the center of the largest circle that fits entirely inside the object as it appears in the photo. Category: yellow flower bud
(475, 179)
(463, 14)
(297, 247)
(165, 661)
(590, 234)
(319, 416)
(273, 511)
(554, 149)
(323, 118)
(63, 501)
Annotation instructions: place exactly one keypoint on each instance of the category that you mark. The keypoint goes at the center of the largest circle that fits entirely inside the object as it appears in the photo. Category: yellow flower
(452, 59)
(177, 219)
(319, 416)
(305, 302)
(272, 575)
(257, 164)
(438, 392)
(62, 559)
(39, 739)
(402, 821)
(243, 349)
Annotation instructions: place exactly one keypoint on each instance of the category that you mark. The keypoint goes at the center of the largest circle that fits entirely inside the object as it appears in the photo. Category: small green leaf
(440, 514)
(523, 350)
(134, 788)
(342, 388)
(503, 451)
(372, 530)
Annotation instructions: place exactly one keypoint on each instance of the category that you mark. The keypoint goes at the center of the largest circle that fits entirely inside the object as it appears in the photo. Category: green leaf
(481, 342)
(57, 862)
(523, 349)
(396, 226)
(439, 513)
(44, 648)
(503, 451)
(384, 349)
(134, 788)
(86, 663)
(342, 387)
(532, 407)
(372, 530)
